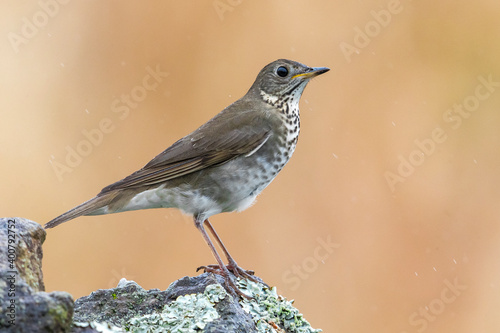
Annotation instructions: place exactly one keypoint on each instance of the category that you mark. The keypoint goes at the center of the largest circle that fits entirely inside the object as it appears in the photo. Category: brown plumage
(223, 165)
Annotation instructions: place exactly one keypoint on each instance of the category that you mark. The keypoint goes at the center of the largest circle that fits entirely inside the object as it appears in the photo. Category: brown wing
(216, 142)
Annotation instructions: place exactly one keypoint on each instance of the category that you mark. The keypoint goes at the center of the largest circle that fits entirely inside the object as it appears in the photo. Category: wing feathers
(161, 170)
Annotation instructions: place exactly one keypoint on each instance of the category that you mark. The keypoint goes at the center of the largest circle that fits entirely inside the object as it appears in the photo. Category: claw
(224, 272)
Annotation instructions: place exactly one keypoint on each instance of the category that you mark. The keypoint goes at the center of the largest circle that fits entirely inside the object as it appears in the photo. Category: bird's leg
(232, 265)
(222, 269)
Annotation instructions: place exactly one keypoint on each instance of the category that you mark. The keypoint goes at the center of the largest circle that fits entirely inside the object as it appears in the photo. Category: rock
(190, 304)
(24, 307)
(130, 302)
(25, 238)
(117, 305)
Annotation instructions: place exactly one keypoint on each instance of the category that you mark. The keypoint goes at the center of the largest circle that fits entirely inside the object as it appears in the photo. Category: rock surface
(128, 300)
(25, 238)
(190, 304)
(24, 307)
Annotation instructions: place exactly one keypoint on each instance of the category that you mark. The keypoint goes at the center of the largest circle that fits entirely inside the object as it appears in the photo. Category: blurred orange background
(386, 219)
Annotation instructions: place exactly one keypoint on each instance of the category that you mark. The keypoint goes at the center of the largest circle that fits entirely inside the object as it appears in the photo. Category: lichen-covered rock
(21, 250)
(35, 311)
(189, 312)
(23, 308)
(272, 312)
(118, 306)
(192, 304)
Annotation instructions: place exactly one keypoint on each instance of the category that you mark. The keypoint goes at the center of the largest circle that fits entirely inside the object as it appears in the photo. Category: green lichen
(271, 312)
(59, 314)
(188, 313)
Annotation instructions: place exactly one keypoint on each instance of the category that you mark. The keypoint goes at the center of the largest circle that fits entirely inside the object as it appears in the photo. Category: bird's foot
(224, 272)
(233, 267)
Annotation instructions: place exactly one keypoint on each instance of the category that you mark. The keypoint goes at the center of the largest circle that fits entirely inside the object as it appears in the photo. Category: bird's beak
(315, 72)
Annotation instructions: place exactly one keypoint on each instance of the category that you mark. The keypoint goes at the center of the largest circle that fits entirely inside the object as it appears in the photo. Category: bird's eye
(282, 71)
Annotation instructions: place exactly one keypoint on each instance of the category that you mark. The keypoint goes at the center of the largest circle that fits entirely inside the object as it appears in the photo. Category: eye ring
(282, 71)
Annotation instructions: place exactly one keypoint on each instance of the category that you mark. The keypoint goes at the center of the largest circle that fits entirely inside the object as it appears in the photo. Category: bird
(220, 167)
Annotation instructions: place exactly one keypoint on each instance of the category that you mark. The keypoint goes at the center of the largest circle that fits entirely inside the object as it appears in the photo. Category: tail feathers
(86, 208)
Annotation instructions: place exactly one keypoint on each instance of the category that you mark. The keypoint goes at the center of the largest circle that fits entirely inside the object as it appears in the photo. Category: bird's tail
(91, 207)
